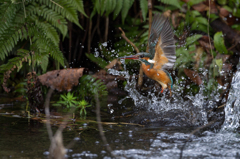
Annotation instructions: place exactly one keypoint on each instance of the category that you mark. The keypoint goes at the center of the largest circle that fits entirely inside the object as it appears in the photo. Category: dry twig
(131, 43)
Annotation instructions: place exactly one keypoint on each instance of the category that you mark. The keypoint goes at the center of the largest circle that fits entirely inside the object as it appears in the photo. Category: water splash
(232, 108)
(192, 108)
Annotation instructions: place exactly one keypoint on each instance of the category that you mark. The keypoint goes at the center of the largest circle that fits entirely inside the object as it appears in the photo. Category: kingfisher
(161, 56)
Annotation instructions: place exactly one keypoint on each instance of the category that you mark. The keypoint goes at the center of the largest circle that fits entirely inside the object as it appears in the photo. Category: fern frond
(68, 11)
(144, 8)
(118, 8)
(125, 8)
(49, 32)
(49, 15)
(89, 84)
(64, 8)
(41, 59)
(7, 42)
(16, 62)
(79, 6)
(102, 6)
(110, 6)
(97, 6)
(45, 45)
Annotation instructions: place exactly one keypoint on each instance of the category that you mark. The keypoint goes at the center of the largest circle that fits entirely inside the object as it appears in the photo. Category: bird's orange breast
(156, 74)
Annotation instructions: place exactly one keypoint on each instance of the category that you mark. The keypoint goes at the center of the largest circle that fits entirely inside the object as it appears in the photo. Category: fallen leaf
(194, 76)
(63, 79)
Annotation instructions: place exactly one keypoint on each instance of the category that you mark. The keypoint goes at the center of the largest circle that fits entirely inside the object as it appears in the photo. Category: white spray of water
(194, 109)
(232, 108)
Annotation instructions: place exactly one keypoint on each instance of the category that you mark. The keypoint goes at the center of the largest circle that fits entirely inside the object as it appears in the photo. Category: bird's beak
(132, 57)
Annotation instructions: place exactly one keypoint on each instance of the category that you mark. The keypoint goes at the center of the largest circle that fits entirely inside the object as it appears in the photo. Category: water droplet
(104, 44)
(111, 111)
(96, 53)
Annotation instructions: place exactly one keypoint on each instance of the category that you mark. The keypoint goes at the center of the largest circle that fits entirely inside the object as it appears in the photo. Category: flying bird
(161, 56)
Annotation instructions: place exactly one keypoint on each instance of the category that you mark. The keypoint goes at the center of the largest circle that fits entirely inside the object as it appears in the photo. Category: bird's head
(141, 56)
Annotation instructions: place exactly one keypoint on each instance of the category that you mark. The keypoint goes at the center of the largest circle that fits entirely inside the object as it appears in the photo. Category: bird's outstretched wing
(161, 43)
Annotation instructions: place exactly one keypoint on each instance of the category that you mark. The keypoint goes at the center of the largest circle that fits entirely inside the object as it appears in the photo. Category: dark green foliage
(88, 86)
(219, 43)
(117, 6)
(175, 3)
(35, 26)
(70, 101)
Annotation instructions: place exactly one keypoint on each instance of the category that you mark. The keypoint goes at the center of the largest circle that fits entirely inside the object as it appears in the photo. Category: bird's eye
(141, 56)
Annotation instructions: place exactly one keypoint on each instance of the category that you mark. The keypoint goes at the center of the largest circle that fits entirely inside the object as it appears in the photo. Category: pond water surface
(163, 129)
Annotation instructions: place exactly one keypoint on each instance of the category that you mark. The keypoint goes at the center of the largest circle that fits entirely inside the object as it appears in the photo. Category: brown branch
(124, 37)
(233, 46)
(106, 29)
(70, 43)
(98, 29)
(89, 35)
(76, 49)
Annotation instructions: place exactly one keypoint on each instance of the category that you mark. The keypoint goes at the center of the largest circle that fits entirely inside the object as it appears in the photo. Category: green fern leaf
(66, 9)
(110, 5)
(79, 5)
(144, 8)
(118, 8)
(103, 6)
(125, 8)
(41, 59)
(97, 6)
(49, 31)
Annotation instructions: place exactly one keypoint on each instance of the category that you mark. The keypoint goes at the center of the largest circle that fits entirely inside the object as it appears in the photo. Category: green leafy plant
(88, 86)
(83, 105)
(31, 31)
(69, 100)
(117, 7)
